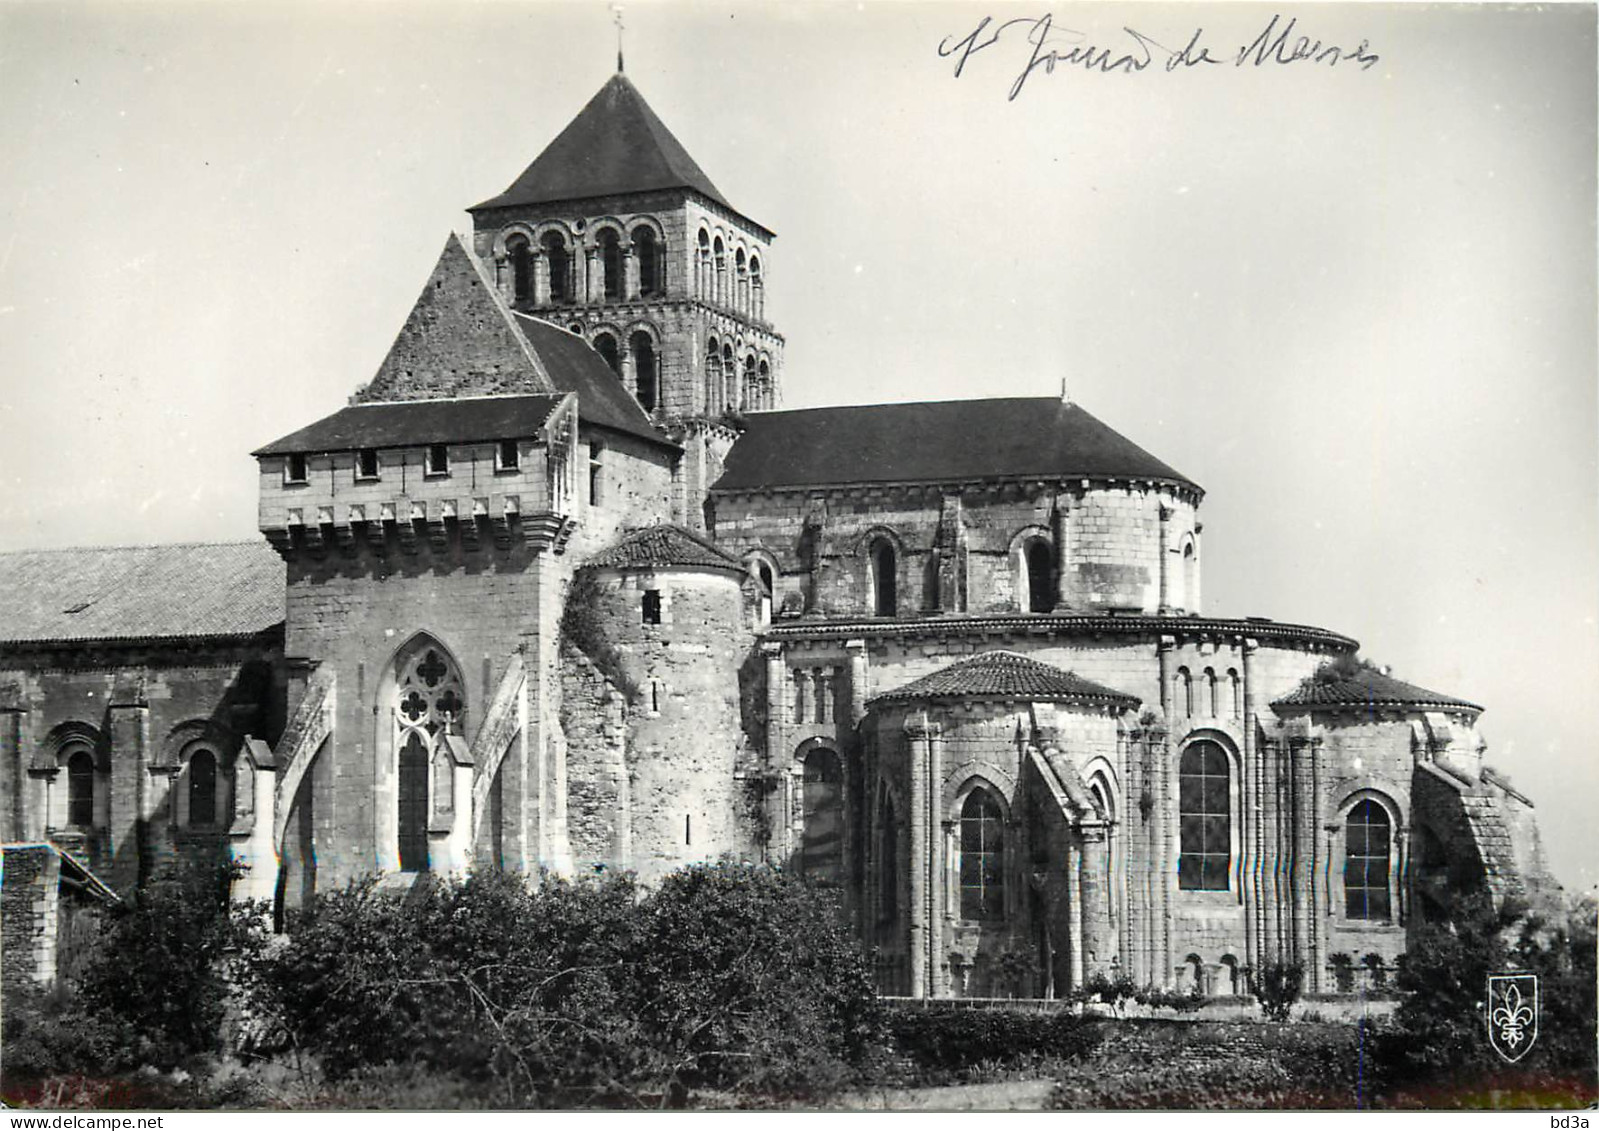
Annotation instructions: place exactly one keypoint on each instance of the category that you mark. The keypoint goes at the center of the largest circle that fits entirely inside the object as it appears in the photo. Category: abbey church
(564, 587)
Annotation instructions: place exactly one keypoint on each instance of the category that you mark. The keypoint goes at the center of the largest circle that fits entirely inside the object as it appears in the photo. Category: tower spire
(617, 8)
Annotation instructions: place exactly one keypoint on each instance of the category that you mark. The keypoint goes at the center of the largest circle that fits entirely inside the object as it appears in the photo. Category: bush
(560, 993)
(944, 1038)
(1190, 1002)
(1278, 987)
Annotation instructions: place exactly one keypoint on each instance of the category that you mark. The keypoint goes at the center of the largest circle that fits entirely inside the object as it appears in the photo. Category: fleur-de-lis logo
(1512, 1014)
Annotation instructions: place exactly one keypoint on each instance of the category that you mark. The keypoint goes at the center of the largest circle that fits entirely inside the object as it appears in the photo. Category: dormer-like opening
(437, 460)
(507, 456)
(294, 468)
(366, 463)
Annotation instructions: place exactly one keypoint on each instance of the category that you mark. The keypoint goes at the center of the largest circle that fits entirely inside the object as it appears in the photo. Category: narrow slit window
(652, 606)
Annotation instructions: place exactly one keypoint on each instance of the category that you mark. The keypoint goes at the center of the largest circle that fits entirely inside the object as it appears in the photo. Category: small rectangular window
(596, 470)
(508, 457)
(366, 463)
(652, 606)
(294, 468)
(438, 460)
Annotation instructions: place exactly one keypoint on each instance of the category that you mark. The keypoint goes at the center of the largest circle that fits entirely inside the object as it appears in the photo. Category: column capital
(855, 647)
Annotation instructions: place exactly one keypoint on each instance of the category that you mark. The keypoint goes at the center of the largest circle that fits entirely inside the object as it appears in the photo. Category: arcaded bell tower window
(520, 253)
(884, 597)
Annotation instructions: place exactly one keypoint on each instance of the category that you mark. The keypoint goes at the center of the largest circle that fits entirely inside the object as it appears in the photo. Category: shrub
(941, 1038)
(748, 981)
(1114, 992)
(564, 993)
(1278, 988)
(1185, 1002)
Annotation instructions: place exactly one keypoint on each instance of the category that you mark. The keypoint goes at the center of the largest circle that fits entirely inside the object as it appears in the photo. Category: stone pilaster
(1250, 810)
(13, 779)
(918, 733)
(858, 668)
(1060, 529)
(1074, 912)
(1165, 560)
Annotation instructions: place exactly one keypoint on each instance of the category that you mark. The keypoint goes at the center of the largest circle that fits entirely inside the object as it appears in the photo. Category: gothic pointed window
(822, 851)
(982, 857)
(1204, 803)
(429, 702)
(80, 789)
(1366, 860)
(645, 377)
(520, 253)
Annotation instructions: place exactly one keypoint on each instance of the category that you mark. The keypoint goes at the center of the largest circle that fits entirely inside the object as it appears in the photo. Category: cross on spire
(617, 8)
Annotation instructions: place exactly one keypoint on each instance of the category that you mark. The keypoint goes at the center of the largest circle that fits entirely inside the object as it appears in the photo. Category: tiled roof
(934, 441)
(574, 366)
(402, 423)
(1006, 675)
(615, 145)
(1368, 688)
(231, 589)
(664, 545)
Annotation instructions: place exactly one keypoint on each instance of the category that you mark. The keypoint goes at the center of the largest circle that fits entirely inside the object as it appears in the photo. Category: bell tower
(616, 234)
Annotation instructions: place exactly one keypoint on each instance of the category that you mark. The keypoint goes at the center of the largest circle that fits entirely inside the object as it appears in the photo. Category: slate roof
(934, 441)
(396, 424)
(574, 366)
(615, 145)
(1007, 675)
(664, 545)
(230, 589)
(1367, 688)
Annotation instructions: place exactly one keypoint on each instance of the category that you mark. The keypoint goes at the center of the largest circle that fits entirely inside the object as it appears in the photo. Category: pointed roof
(123, 593)
(461, 342)
(993, 438)
(1008, 675)
(1366, 688)
(615, 146)
(664, 545)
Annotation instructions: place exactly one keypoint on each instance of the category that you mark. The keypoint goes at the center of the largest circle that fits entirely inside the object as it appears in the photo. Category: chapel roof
(934, 441)
(664, 545)
(615, 146)
(123, 593)
(1368, 688)
(393, 424)
(1007, 675)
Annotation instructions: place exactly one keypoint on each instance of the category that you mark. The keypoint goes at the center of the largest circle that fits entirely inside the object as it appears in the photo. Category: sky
(1354, 301)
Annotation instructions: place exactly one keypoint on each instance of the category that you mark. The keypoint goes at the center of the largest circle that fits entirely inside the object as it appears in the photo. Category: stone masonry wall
(684, 736)
(30, 884)
(1112, 551)
(594, 721)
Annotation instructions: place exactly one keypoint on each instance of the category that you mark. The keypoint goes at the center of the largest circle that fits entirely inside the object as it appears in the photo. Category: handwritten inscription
(1051, 47)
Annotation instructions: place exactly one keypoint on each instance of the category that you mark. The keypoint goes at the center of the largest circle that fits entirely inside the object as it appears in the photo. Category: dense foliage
(153, 993)
(1277, 988)
(1438, 1048)
(729, 978)
(945, 1039)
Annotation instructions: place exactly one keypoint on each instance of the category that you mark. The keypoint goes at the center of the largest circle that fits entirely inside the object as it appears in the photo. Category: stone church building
(565, 587)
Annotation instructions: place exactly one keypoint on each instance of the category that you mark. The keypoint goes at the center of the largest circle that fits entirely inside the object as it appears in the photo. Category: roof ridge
(138, 546)
(453, 397)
